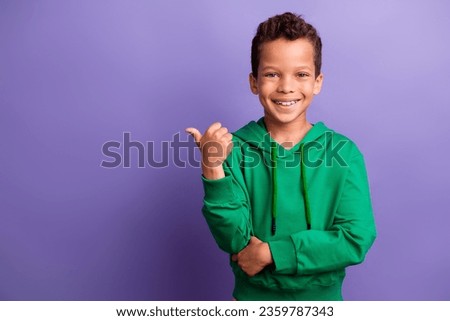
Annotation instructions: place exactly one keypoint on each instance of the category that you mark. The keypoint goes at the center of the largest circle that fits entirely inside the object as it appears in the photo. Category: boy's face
(286, 82)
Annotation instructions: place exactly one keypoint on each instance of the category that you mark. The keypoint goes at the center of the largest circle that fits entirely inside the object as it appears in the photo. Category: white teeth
(285, 103)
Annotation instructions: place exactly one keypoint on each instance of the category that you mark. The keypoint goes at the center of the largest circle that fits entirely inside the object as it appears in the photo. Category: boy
(289, 200)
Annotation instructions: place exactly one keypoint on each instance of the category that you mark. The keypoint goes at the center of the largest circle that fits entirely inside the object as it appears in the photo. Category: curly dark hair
(291, 27)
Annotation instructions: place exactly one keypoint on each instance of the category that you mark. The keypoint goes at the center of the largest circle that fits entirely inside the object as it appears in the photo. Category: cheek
(265, 88)
(309, 88)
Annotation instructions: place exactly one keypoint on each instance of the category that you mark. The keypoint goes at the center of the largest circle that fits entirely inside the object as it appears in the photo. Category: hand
(254, 257)
(215, 145)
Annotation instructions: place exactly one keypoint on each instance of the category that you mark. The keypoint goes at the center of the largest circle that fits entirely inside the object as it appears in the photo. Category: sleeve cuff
(218, 190)
(283, 255)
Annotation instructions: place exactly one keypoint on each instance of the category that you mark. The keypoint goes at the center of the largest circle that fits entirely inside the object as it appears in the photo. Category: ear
(318, 84)
(253, 84)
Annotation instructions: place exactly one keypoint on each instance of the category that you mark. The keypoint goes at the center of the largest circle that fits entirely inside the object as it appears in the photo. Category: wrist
(213, 173)
(266, 255)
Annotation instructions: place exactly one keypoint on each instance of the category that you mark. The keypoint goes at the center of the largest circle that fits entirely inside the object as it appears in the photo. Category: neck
(287, 135)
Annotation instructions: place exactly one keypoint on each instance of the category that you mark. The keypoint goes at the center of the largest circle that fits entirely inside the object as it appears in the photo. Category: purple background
(75, 74)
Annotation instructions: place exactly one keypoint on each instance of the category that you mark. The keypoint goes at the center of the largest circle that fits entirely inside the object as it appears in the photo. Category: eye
(270, 75)
(303, 74)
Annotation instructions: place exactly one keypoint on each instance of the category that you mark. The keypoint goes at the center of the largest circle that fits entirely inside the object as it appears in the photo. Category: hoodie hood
(256, 135)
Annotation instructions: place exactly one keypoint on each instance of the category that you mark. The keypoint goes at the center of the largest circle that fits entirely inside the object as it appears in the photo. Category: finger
(228, 136)
(249, 272)
(195, 133)
(214, 126)
(220, 132)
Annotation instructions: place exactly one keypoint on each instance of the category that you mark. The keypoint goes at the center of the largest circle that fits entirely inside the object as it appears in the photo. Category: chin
(285, 119)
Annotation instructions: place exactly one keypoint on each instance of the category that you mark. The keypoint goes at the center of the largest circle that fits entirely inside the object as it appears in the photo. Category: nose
(286, 85)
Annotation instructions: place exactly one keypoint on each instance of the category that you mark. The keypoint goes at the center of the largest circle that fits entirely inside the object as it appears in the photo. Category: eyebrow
(273, 67)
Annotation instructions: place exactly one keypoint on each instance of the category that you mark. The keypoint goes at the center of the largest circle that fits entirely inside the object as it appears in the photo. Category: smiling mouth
(286, 103)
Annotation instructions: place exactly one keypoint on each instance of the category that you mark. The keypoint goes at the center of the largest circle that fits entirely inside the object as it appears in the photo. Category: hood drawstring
(305, 187)
(273, 161)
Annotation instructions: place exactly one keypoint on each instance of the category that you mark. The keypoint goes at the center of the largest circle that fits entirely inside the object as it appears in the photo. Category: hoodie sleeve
(347, 240)
(226, 210)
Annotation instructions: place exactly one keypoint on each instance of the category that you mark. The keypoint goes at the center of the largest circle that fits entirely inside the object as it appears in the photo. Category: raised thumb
(194, 132)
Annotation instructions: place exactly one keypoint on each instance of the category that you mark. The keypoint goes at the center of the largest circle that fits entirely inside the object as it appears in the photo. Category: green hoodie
(310, 203)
